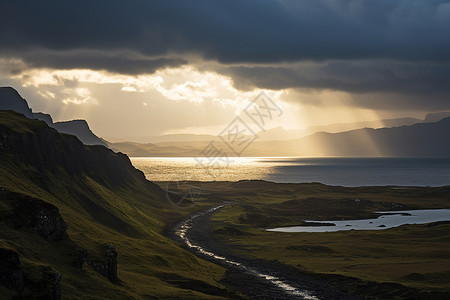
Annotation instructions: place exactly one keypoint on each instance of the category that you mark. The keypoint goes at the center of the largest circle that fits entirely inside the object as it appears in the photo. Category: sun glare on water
(200, 169)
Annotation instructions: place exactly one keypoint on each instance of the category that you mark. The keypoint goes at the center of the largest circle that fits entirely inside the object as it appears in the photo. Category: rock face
(107, 268)
(11, 100)
(39, 216)
(46, 149)
(82, 254)
(43, 117)
(43, 156)
(44, 284)
(80, 129)
(50, 284)
(11, 274)
(111, 262)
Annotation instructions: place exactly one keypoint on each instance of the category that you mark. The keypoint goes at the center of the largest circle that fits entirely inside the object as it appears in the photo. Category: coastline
(342, 171)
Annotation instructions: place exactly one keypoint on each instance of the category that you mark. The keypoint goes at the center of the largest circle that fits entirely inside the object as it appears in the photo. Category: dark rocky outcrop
(50, 284)
(47, 150)
(80, 129)
(43, 117)
(11, 100)
(108, 267)
(81, 257)
(35, 155)
(37, 215)
(11, 274)
(43, 283)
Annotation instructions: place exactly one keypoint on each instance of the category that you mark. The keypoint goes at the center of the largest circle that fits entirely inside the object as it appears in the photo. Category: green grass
(132, 216)
(146, 258)
(412, 255)
(19, 123)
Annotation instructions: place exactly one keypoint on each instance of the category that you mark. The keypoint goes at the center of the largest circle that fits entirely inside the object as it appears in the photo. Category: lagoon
(387, 219)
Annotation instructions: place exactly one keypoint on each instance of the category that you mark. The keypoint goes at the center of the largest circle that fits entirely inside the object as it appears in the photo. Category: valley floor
(411, 261)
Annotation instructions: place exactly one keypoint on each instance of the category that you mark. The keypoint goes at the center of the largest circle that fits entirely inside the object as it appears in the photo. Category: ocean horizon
(343, 171)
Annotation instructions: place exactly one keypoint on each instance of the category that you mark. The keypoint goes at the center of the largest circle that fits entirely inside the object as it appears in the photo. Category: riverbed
(255, 278)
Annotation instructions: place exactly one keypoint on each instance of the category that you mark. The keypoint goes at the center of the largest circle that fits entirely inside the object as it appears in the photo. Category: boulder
(50, 284)
(39, 216)
(82, 254)
(107, 268)
(11, 274)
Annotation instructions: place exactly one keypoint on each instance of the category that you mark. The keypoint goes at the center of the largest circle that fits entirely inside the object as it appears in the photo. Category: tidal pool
(387, 219)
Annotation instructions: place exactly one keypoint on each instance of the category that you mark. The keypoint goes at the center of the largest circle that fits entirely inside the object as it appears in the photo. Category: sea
(342, 171)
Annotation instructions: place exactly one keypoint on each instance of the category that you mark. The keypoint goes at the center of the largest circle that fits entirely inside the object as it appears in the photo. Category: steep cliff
(82, 221)
(11, 100)
(80, 129)
(34, 143)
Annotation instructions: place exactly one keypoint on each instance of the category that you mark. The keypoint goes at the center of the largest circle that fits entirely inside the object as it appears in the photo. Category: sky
(142, 68)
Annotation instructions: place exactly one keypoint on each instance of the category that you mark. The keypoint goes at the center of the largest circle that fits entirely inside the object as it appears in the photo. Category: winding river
(183, 233)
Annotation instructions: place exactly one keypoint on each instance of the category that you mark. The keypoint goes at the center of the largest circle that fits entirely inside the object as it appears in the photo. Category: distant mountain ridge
(421, 139)
(435, 117)
(80, 129)
(10, 99)
(182, 137)
(273, 134)
(280, 133)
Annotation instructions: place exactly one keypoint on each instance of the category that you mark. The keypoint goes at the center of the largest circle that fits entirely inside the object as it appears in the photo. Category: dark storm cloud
(118, 63)
(235, 30)
(354, 77)
(343, 39)
(375, 84)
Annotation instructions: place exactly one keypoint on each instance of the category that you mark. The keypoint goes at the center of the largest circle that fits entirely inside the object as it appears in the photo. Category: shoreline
(391, 186)
(334, 171)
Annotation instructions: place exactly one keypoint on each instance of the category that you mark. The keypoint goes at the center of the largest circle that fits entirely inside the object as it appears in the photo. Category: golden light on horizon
(84, 93)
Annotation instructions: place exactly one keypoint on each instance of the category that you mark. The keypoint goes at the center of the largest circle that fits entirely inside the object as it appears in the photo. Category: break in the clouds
(144, 63)
(389, 37)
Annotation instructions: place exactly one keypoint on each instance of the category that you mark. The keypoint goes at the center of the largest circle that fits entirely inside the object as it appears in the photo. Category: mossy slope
(102, 199)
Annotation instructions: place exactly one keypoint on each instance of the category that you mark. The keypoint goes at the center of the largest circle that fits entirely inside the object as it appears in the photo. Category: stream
(254, 278)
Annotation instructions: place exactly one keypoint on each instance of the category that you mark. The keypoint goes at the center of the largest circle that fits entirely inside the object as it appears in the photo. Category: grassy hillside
(103, 200)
